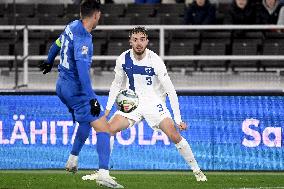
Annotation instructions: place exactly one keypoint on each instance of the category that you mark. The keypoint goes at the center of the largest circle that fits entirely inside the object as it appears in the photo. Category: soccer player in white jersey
(146, 74)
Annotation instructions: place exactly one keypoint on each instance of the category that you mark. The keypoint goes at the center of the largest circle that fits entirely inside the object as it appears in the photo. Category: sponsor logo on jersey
(84, 50)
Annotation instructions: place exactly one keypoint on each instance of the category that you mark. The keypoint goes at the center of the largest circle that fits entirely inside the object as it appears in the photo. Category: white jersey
(147, 77)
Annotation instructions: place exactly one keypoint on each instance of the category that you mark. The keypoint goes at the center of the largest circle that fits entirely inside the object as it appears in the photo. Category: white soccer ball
(127, 101)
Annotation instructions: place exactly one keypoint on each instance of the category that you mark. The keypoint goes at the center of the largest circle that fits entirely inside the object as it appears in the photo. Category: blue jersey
(76, 57)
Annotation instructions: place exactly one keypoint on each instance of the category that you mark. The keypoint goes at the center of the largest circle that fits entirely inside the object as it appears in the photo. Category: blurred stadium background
(229, 80)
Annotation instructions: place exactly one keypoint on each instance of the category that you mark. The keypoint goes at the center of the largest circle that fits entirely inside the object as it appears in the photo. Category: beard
(140, 52)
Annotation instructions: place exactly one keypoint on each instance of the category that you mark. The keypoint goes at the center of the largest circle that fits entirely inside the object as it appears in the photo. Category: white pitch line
(276, 187)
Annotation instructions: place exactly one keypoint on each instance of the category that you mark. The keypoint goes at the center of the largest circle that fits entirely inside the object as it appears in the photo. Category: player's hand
(107, 113)
(45, 67)
(182, 126)
(95, 107)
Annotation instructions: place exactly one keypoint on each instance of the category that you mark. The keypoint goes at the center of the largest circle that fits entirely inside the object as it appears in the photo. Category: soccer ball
(127, 101)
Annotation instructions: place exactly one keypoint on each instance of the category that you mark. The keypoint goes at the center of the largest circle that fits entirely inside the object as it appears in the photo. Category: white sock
(103, 172)
(186, 152)
(111, 142)
(73, 158)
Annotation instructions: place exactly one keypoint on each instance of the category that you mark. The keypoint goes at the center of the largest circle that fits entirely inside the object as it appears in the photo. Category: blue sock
(81, 136)
(103, 149)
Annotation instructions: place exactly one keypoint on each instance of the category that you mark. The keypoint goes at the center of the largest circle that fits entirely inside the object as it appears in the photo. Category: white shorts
(152, 110)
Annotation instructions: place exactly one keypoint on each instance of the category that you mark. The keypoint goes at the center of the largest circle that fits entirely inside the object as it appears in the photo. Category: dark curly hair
(138, 29)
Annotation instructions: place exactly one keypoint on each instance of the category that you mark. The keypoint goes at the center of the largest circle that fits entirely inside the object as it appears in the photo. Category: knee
(116, 124)
(113, 130)
(105, 129)
(100, 125)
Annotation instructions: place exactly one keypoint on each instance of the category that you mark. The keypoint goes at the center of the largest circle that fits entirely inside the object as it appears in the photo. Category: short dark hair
(88, 7)
(138, 29)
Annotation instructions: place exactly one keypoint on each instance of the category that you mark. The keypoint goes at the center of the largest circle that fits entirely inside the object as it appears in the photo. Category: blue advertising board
(225, 133)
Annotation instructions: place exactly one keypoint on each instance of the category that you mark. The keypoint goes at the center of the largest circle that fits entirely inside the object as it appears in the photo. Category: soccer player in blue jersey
(75, 90)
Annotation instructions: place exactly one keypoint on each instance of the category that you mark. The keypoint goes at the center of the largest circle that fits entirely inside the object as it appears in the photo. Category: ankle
(73, 157)
(103, 172)
(196, 170)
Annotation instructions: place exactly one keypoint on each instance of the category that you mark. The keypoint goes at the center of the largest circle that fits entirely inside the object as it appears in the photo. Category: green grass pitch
(55, 179)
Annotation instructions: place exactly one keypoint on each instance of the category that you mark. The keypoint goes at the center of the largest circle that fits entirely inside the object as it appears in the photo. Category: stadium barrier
(227, 131)
(161, 29)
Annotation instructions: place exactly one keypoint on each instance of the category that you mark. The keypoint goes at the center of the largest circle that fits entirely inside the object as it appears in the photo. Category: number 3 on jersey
(160, 107)
(63, 52)
(149, 80)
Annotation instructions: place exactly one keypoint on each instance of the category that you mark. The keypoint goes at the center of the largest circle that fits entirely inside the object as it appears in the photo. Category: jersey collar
(84, 29)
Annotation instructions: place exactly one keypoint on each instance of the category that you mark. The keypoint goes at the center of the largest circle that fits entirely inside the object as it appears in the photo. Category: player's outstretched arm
(115, 86)
(46, 65)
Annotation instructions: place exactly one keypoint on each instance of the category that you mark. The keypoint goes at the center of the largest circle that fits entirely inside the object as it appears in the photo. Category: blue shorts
(71, 95)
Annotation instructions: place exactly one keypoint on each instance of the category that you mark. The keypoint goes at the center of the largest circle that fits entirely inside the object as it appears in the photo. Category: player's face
(241, 3)
(95, 18)
(139, 42)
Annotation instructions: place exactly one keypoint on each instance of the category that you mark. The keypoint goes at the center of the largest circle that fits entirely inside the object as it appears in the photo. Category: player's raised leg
(168, 127)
